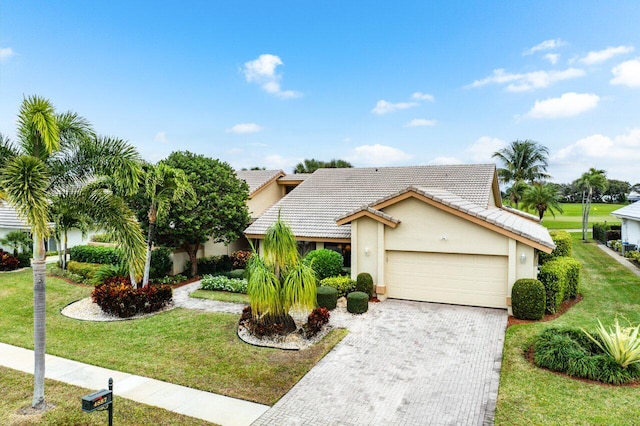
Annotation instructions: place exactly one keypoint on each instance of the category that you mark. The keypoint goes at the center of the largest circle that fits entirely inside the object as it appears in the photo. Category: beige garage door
(463, 279)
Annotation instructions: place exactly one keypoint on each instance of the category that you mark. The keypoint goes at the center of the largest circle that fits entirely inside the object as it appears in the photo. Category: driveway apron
(403, 363)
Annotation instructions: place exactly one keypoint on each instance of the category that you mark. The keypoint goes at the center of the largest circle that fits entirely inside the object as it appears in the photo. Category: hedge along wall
(560, 277)
(564, 247)
(95, 254)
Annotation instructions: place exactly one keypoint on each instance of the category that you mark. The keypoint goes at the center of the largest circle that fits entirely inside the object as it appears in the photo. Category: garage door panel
(475, 280)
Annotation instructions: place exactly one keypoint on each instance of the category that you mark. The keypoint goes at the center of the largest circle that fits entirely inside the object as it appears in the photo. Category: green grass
(572, 216)
(190, 348)
(529, 395)
(15, 393)
(222, 296)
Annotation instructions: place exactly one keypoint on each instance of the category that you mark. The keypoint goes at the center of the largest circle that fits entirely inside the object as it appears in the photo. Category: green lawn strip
(529, 395)
(222, 296)
(572, 216)
(190, 348)
(16, 392)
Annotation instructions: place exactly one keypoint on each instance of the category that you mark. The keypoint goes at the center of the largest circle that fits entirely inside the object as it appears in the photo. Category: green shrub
(95, 254)
(528, 299)
(560, 277)
(220, 282)
(573, 276)
(327, 297)
(599, 232)
(118, 297)
(237, 274)
(86, 270)
(357, 302)
(364, 283)
(344, 285)
(211, 265)
(326, 263)
(161, 263)
(104, 272)
(55, 270)
(170, 279)
(102, 238)
(564, 247)
(25, 259)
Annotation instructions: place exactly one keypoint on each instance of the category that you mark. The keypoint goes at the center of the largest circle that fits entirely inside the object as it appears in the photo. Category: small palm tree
(163, 184)
(17, 240)
(66, 216)
(516, 191)
(279, 281)
(542, 197)
(592, 180)
(523, 161)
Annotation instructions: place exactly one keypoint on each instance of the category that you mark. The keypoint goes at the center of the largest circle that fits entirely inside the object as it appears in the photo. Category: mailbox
(96, 400)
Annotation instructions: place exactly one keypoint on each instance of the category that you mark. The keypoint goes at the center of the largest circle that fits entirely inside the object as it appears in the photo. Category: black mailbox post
(99, 401)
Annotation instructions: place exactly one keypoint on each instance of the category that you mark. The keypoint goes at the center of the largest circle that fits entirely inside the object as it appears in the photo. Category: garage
(464, 279)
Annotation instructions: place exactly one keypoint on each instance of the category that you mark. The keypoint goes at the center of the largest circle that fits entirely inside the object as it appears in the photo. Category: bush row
(118, 297)
(220, 282)
(560, 277)
(604, 232)
(95, 254)
(211, 265)
(343, 285)
(564, 247)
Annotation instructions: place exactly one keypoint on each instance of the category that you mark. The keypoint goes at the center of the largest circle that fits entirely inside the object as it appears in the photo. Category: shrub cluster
(55, 270)
(8, 262)
(220, 282)
(364, 283)
(528, 299)
(211, 265)
(265, 326)
(236, 273)
(357, 302)
(102, 238)
(564, 247)
(170, 279)
(326, 263)
(633, 255)
(118, 297)
(161, 263)
(344, 285)
(560, 277)
(95, 254)
(327, 297)
(88, 271)
(239, 259)
(316, 320)
(572, 352)
(24, 258)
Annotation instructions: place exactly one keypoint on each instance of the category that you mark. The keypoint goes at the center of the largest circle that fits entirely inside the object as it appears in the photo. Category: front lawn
(191, 348)
(222, 296)
(572, 216)
(529, 395)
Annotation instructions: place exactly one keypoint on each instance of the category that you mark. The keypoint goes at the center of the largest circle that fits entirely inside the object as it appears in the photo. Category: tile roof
(312, 208)
(632, 211)
(256, 179)
(9, 218)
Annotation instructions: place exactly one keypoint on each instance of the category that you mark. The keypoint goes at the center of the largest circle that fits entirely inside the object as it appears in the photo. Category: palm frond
(38, 130)
(263, 288)
(299, 288)
(280, 247)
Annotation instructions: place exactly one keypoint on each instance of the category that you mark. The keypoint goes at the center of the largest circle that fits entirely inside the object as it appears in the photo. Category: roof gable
(258, 179)
(632, 211)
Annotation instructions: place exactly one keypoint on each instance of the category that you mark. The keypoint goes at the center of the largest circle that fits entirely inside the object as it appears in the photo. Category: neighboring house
(10, 221)
(428, 233)
(633, 196)
(630, 217)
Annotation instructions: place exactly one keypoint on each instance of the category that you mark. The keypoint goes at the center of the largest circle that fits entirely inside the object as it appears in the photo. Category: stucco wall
(631, 231)
(74, 235)
(265, 198)
(367, 238)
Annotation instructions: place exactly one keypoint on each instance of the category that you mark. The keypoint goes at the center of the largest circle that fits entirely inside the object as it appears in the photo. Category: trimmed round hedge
(528, 299)
(325, 263)
(357, 302)
(364, 283)
(327, 297)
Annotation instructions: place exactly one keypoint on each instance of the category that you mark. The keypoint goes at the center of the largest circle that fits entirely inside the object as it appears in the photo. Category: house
(427, 233)
(630, 217)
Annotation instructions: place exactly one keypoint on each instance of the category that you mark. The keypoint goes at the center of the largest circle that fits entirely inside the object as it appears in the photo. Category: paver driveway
(403, 363)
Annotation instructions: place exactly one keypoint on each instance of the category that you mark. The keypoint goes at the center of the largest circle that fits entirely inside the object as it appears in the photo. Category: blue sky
(376, 83)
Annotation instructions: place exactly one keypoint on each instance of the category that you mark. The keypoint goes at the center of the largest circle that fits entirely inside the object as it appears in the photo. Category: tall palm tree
(542, 197)
(516, 191)
(66, 216)
(163, 184)
(523, 161)
(55, 154)
(592, 180)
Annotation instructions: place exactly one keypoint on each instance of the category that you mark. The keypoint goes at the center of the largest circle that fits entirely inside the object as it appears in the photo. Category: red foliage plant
(116, 296)
(317, 318)
(239, 258)
(8, 262)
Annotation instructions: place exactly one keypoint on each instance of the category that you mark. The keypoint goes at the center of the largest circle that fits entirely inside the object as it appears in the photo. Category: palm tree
(590, 181)
(542, 197)
(523, 161)
(279, 280)
(163, 184)
(57, 154)
(516, 191)
(67, 216)
(17, 240)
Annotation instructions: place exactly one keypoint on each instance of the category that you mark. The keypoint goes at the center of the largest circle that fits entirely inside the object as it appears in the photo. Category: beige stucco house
(427, 233)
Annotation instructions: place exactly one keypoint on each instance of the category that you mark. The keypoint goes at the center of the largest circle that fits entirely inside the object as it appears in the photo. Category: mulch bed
(566, 305)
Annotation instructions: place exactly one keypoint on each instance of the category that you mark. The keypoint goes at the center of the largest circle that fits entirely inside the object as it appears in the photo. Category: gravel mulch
(86, 310)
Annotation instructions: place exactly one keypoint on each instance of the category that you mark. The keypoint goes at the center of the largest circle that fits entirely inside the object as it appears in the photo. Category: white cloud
(6, 53)
(545, 45)
(243, 128)
(423, 97)
(384, 107)
(347, 140)
(552, 57)
(420, 122)
(279, 162)
(483, 148)
(528, 81)
(444, 161)
(262, 71)
(598, 56)
(627, 73)
(567, 105)
(377, 155)
(161, 137)
(234, 151)
(618, 155)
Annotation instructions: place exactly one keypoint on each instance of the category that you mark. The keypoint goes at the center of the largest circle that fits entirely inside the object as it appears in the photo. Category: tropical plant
(516, 191)
(163, 185)
(279, 281)
(621, 343)
(310, 165)
(57, 154)
(593, 180)
(542, 197)
(66, 216)
(523, 161)
(17, 240)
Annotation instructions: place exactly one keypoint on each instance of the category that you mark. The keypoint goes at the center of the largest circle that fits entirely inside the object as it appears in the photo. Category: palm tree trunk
(147, 263)
(584, 226)
(64, 251)
(39, 321)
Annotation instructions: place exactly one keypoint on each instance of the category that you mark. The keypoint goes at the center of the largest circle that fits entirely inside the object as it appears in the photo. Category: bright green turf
(571, 218)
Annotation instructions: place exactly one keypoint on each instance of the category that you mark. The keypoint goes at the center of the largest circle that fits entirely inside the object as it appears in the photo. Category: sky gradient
(375, 83)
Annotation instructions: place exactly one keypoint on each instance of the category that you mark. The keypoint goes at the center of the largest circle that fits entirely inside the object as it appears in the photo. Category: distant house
(630, 217)
(428, 233)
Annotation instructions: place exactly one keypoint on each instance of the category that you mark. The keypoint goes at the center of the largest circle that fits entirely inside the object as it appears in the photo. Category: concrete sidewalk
(180, 399)
(621, 260)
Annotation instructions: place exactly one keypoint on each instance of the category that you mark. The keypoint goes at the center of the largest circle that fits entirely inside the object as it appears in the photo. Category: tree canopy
(542, 197)
(523, 161)
(310, 165)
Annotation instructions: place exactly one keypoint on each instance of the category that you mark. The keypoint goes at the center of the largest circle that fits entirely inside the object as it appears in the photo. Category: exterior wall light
(366, 251)
(523, 258)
